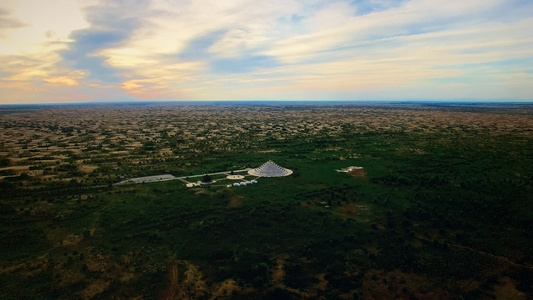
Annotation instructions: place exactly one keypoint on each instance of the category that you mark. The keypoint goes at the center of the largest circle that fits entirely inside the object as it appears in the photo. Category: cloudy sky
(109, 50)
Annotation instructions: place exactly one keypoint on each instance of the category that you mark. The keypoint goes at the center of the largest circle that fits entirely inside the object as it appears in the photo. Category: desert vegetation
(442, 207)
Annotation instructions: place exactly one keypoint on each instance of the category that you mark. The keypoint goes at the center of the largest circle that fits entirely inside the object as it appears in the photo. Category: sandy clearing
(86, 168)
(358, 173)
(235, 201)
(507, 290)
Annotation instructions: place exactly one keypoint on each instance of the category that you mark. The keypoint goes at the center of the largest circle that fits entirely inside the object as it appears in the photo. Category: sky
(124, 50)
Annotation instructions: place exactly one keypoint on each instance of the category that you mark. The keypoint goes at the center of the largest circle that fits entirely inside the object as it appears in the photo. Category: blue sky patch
(243, 64)
(198, 48)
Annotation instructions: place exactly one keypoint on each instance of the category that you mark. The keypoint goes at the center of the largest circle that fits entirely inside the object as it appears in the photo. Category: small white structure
(236, 184)
(242, 183)
(193, 184)
(253, 181)
(349, 169)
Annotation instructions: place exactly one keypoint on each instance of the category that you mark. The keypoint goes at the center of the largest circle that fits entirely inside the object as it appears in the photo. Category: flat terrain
(442, 207)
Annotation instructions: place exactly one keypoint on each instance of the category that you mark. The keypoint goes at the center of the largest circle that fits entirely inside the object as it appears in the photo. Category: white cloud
(152, 52)
(331, 16)
(414, 16)
(316, 48)
(45, 22)
(29, 56)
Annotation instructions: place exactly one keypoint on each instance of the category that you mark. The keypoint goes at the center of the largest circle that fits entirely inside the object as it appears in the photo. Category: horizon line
(397, 101)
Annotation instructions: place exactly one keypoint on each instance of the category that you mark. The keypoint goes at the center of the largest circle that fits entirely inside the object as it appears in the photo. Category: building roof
(270, 169)
(147, 179)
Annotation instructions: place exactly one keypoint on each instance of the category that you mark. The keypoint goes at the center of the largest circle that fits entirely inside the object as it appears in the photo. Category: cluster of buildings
(268, 169)
(242, 183)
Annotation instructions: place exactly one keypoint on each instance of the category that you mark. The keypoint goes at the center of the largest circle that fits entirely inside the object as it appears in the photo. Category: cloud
(30, 65)
(247, 49)
(62, 81)
(46, 27)
(110, 25)
(336, 47)
(195, 38)
(7, 22)
(414, 17)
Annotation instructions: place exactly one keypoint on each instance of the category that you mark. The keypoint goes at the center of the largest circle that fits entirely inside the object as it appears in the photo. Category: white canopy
(270, 169)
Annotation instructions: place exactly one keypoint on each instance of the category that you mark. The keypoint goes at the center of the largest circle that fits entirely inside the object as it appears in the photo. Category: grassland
(442, 210)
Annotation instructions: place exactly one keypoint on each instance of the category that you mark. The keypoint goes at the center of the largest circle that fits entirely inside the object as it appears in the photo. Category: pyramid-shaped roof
(270, 169)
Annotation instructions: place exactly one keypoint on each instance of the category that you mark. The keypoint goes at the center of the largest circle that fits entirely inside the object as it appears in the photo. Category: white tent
(270, 169)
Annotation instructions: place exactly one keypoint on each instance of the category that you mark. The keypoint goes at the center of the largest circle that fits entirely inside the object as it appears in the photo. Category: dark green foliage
(4, 162)
(280, 294)
(458, 209)
(20, 237)
(206, 178)
(296, 277)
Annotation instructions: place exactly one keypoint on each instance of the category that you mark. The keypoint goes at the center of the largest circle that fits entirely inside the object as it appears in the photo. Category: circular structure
(270, 169)
(235, 177)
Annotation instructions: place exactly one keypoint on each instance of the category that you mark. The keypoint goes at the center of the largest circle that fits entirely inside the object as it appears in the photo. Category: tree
(5, 162)
(206, 178)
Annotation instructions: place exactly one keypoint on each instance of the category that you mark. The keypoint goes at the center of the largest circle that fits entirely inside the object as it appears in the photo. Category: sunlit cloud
(245, 49)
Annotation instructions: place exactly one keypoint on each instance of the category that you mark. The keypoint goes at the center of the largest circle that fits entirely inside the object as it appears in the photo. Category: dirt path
(502, 258)
(506, 259)
(191, 286)
(171, 292)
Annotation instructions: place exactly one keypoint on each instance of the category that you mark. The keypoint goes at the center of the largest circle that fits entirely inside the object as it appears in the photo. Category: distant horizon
(265, 102)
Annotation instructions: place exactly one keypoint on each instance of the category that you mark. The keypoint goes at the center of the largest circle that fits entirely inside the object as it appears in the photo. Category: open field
(442, 207)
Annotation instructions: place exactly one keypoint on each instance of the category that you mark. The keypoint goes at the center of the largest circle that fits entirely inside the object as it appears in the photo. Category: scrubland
(441, 209)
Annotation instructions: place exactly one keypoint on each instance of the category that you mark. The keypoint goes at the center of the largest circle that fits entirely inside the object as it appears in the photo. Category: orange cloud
(62, 81)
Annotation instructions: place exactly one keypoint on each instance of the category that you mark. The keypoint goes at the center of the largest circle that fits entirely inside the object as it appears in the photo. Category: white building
(270, 169)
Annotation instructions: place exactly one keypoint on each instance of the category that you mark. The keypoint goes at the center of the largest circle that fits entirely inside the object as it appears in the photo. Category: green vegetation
(439, 212)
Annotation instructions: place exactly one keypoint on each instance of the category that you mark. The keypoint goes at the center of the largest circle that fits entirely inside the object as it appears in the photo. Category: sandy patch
(278, 272)
(35, 173)
(507, 290)
(358, 173)
(86, 168)
(235, 201)
(127, 277)
(99, 263)
(235, 177)
(225, 289)
(35, 266)
(322, 282)
(69, 277)
(378, 284)
(348, 209)
(71, 240)
(351, 210)
(94, 289)
(16, 169)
